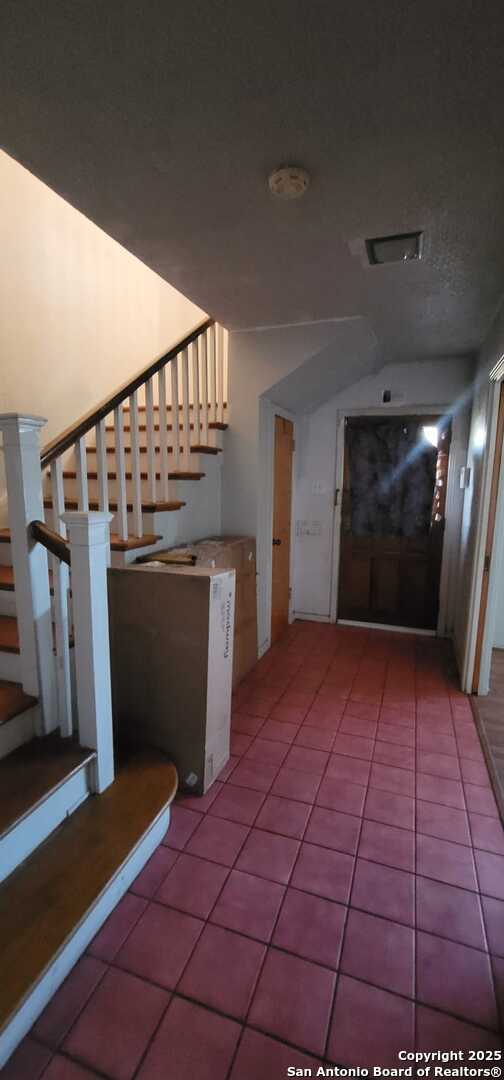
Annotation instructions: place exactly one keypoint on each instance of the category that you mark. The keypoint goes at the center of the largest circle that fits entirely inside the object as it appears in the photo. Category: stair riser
(10, 666)
(63, 963)
(198, 464)
(5, 555)
(35, 827)
(7, 602)
(19, 730)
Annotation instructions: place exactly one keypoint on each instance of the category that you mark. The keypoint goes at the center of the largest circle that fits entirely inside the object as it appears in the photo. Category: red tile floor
(337, 895)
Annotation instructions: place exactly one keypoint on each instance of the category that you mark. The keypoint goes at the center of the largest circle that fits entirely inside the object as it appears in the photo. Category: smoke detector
(288, 182)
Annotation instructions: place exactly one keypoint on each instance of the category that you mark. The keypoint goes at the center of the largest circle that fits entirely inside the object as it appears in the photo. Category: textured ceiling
(162, 120)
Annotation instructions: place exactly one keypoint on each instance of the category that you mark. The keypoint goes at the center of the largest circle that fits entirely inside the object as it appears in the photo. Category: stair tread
(70, 474)
(198, 448)
(13, 700)
(147, 507)
(143, 408)
(4, 536)
(9, 636)
(45, 899)
(7, 578)
(29, 774)
(147, 540)
(213, 425)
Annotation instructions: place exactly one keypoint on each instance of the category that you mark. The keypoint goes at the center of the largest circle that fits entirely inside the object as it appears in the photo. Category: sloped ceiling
(161, 122)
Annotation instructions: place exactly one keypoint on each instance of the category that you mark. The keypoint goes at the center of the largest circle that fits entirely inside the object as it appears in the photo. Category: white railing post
(29, 559)
(89, 538)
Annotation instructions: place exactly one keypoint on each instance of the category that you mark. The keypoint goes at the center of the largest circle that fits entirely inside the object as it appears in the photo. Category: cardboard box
(227, 552)
(171, 638)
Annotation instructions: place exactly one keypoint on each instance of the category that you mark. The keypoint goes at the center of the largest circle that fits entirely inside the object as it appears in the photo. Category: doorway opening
(282, 509)
(393, 520)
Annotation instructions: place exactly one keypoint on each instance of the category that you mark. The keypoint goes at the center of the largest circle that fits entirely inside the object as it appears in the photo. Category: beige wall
(78, 313)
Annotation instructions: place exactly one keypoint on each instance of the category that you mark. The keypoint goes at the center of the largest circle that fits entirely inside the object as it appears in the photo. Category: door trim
(267, 412)
(450, 539)
(492, 551)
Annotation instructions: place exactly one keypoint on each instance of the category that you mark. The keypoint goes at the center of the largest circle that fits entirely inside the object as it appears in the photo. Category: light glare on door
(431, 434)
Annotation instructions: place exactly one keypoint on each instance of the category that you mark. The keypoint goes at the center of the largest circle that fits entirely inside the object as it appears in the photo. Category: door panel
(392, 521)
(282, 502)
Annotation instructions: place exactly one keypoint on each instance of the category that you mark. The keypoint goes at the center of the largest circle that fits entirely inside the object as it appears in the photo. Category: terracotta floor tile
(251, 774)
(450, 912)
(487, 833)
(362, 710)
(191, 1042)
(266, 752)
(387, 845)
(390, 809)
(438, 1031)
(278, 731)
(438, 765)
(268, 856)
(59, 1015)
(223, 971)
(293, 1001)
(475, 772)
(439, 790)
(116, 1025)
(369, 1025)
(154, 872)
(160, 945)
(293, 784)
(218, 840)
(331, 829)
(354, 770)
(286, 817)
(388, 778)
(383, 890)
(62, 1068)
(306, 760)
(183, 822)
(457, 979)
(446, 861)
(353, 746)
(379, 951)
(260, 1056)
(386, 753)
(237, 804)
(341, 795)
(397, 734)
(240, 743)
(445, 822)
(315, 738)
(311, 927)
(490, 870)
(324, 872)
(246, 725)
(248, 905)
(288, 714)
(351, 725)
(116, 928)
(27, 1062)
(480, 800)
(493, 914)
(193, 885)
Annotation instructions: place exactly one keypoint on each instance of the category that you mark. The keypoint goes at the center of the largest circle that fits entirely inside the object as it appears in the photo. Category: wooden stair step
(13, 700)
(213, 425)
(200, 448)
(133, 542)
(147, 507)
(44, 901)
(143, 408)
(31, 773)
(71, 474)
(4, 536)
(7, 578)
(9, 636)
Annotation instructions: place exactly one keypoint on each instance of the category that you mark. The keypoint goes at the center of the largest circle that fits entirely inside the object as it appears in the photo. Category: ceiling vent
(404, 247)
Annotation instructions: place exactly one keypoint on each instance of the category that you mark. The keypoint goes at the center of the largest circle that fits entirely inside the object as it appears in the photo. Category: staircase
(138, 472)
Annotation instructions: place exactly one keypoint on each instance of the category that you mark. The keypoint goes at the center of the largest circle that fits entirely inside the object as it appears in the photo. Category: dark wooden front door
(392, 521)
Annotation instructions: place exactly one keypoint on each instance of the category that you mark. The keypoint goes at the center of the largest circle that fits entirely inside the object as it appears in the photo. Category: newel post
(21, 447)
(89, 539)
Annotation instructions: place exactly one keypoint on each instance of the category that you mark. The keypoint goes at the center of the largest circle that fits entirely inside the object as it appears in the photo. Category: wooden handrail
(51, 540)
(70, 436)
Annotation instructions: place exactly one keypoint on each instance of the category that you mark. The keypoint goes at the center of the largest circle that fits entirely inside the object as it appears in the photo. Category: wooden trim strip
(51, 540)
(89, 420)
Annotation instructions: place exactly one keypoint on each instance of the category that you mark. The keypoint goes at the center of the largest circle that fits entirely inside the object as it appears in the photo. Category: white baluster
(225, 391)
(164, 467)
(135, 466)
(204, 339)
(175, 413)
(122, 507)
(186, 412)
(212, 363)
(89, 539)
(102, 465)
(82, 477)
(219, 396)
(151, 442)
(31, 575)
(60, 583)
(195, 357)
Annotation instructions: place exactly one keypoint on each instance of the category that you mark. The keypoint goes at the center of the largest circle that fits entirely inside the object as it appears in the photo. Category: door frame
(483, 603)
(267, 412)
(450, 540)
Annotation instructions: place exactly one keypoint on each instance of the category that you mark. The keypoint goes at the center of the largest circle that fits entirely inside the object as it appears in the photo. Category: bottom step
(54, 904)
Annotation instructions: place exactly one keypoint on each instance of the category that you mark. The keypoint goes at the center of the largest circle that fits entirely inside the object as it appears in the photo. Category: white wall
(78, 313)
(432, 383)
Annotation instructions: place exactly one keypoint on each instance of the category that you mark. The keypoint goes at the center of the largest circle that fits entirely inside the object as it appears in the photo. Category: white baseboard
(306, 617)
(84, 933)
(387, 626)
